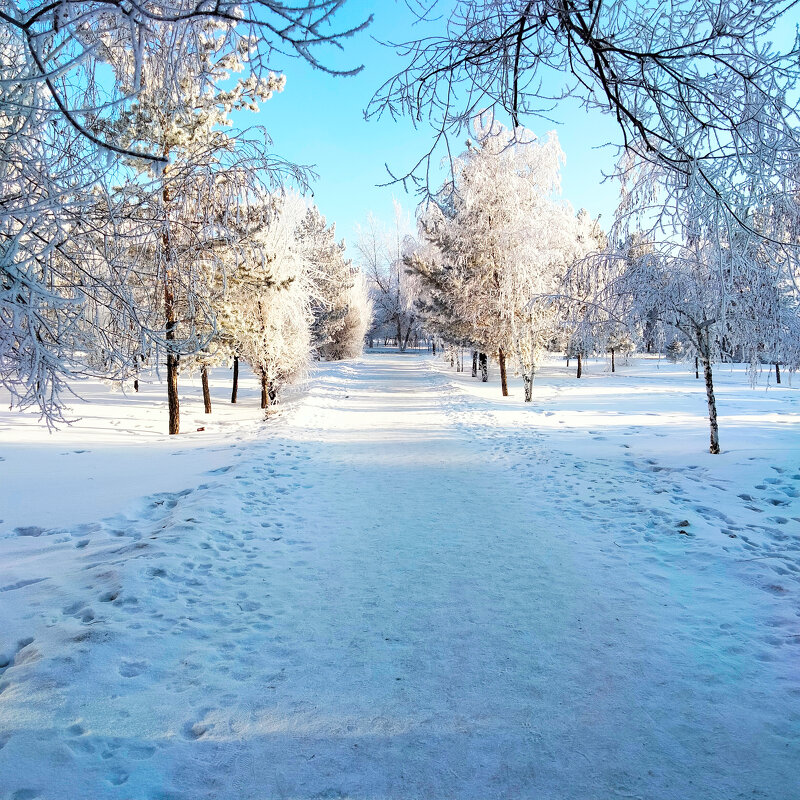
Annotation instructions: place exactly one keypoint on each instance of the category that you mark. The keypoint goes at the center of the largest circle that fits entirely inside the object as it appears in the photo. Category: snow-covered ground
(117, 448)
(406, 586)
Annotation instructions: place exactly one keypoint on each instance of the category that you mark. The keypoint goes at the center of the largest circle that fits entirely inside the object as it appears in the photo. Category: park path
(379, 600)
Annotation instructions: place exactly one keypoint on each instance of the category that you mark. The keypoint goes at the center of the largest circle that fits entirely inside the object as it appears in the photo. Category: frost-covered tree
(704, 91)
(68, 72)
(381, 253)
(500, 243)
(722, 287)
(340, 304)
(713, 295)
(267, 306)
(188, 212)
(54, 278)
(349, 341)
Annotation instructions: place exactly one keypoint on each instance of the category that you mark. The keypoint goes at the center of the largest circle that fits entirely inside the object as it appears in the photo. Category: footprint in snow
(29, 530)
(117, 777)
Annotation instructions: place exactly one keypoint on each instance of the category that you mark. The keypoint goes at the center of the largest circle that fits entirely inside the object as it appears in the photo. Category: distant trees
(506, 268)
(393, 290)
(498, 246)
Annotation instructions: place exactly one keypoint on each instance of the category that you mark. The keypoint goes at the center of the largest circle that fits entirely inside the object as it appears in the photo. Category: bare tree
(696, 88)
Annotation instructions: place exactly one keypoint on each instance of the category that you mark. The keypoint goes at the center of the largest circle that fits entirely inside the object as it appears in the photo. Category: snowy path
(392, 596)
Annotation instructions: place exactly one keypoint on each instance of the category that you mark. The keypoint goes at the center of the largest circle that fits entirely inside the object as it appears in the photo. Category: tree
(267, 307)
(504, 239)
(725, 317)
(340, 303)
(68, 72)
(696, 89)
(187, 211)
(393, 289)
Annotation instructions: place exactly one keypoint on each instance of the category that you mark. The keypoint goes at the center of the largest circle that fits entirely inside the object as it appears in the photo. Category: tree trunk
(206, 392)
(527, 380)
(408, 334)
(173, 401)
(171, 322)
(484, 363)
(580, 366)
(501, 358)
(777, 372)
(264, 391)
(434, 346)
(235, 388)
(712, 407)
(172, 394)
(613, 366)
(567, 362)
(474, 363)
(136, 384)
(452, 358)
(696, 368)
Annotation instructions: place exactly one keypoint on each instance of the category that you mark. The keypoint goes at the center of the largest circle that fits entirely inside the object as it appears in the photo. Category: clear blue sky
(319, 120)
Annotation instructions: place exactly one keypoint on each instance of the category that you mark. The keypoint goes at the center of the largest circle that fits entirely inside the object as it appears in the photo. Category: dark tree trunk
(171, 322)
(400, 345)
(206, 391)
(434, 346)
(173, 401)
(567, 362)
(136, 384)
(172, 394)
(697, 367)
(501, 358)
(474, 363)
(235, 389)
(777, 372)
(484, 363)
(408, 334)
(452, 358)
(264, 391)
(613, 366)
(580, 366)
(712, 407)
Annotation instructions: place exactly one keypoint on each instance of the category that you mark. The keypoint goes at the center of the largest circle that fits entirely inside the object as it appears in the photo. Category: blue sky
(319, 120)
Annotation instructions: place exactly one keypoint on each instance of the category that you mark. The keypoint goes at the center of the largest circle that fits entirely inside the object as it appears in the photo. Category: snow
(117, 449)
(406, 586)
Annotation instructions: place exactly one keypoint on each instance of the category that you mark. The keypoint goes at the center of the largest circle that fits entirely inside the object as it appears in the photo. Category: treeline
(138, 227)
(503, 266)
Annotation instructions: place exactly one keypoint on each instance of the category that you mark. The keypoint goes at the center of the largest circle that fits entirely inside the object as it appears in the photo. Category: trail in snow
(393, 595)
